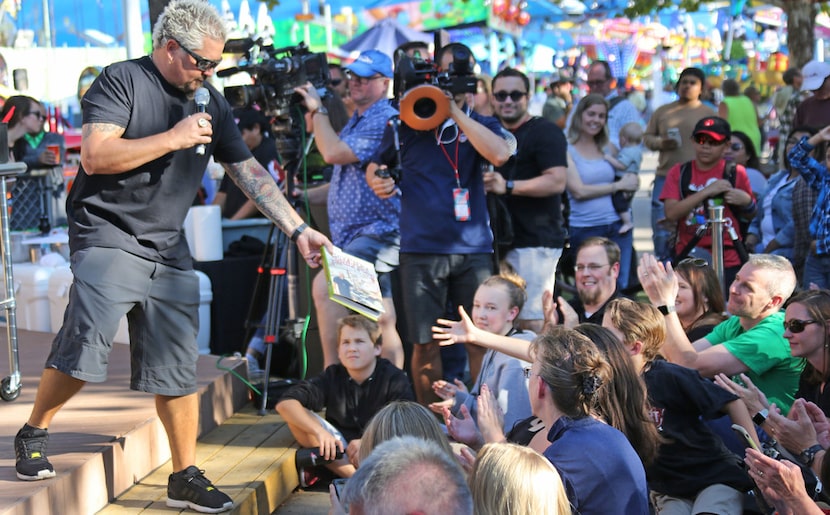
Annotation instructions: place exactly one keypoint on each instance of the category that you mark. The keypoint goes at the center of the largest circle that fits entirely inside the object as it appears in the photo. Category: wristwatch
(298, 231)
(508, 188)
(320, 110)
(666, 309)
(808, 455)
(760, 417)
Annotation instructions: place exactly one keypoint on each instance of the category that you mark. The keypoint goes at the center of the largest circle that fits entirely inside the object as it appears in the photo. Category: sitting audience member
(699, 303)
(772, 231)
(817, 176)
(497, 303)
(806, 327)
(351, 393)
(408, 475)
(621, 403)
(566, 377)
(596, 272)
(512, 479)
(751, 341)
(398, 418)
(781, 483)
(694, 472)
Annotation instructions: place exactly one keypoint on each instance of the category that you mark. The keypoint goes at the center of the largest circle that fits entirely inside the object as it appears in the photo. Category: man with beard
(750, 342)
(596, 271)
(140, 170)
(531, 184)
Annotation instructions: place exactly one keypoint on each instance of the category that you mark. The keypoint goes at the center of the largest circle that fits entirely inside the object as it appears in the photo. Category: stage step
(249, 457)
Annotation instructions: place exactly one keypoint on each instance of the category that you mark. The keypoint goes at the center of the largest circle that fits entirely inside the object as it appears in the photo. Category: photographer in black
(361, 224)
(446, 240)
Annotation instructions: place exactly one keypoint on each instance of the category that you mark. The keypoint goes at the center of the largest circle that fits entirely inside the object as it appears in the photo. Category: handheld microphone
(202, 99)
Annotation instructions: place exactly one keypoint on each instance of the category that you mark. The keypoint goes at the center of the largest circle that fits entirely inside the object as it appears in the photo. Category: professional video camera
(421, 87)
(276, 72)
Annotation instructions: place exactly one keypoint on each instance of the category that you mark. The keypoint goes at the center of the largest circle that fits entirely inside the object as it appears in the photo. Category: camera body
(458, 78)
(276, 72)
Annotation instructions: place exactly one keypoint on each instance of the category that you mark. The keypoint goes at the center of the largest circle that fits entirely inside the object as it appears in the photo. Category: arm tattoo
(259, 186)
(103, 128)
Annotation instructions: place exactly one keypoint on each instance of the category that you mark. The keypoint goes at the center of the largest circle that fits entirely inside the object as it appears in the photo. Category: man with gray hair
(408, 475)
(749, 342)
(144, 150)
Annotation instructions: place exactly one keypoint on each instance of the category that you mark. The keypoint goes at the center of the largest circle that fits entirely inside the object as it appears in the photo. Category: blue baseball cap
(370, 62)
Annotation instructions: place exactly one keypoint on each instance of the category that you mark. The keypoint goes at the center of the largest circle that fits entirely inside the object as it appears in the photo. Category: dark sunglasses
(335, 82)
(736, 147)
(40, 116)
(698, 262)
(596, 83)
(203, 64)
(706, 140)
(514, 95)
(796, 326)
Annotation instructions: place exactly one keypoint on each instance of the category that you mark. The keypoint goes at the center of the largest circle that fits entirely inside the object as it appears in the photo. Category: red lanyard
(447, 155)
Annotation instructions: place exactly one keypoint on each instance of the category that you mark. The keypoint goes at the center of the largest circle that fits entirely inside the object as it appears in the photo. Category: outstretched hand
(490, 416)
(752, 396)
(450, 332)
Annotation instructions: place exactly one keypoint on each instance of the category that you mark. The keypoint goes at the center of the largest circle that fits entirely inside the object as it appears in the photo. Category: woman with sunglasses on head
(700, 305)
(742, 151)
(590, 182)
(772, 231)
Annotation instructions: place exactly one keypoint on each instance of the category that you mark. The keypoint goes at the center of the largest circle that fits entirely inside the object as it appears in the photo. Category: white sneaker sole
(173, 503)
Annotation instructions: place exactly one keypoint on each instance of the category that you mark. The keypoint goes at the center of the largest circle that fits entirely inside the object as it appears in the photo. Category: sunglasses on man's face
(797, 326)
(697, 262)
(202, 63)
(514, 95)
(700, 139)
(736, 147)
(335, 82)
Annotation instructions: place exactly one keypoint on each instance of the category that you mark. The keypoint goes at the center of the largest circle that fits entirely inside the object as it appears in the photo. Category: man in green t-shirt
(751, 341)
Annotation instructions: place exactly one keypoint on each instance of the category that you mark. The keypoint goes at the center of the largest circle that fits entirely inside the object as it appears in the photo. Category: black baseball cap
(716, 128)
(694, 72)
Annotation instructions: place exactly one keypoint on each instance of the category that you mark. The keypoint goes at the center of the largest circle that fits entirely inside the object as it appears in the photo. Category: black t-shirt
(537, 221)
(265, 153)
(694, 457)
(142, 211)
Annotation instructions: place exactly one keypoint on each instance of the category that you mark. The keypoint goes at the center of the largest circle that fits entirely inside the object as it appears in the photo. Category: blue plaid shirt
(818, 178)
(353, 208)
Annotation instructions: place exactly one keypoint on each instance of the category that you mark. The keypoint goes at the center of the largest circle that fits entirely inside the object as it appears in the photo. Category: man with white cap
(814, 111)
(361, 223)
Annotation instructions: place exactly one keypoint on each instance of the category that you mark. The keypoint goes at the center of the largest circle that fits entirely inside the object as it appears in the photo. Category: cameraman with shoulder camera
(144, 150)
(361, 223)
(446, 242)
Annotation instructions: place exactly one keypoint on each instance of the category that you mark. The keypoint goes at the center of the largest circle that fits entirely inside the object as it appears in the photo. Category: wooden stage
(108, 438)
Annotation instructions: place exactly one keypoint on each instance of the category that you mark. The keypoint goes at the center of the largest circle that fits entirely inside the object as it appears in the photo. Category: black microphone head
(202, 97)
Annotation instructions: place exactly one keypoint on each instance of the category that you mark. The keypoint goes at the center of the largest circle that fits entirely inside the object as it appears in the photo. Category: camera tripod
(279, 264)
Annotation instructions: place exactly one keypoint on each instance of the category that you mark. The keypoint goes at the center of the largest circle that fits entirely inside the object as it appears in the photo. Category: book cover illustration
(353, 283)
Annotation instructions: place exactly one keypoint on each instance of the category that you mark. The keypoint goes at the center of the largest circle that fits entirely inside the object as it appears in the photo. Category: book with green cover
(353, 283)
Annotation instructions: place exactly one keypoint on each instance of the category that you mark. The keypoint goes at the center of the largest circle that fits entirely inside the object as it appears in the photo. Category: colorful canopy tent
(386, 36)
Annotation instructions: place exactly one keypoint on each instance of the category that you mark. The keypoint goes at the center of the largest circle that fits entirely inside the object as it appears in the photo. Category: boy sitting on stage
(351, 392)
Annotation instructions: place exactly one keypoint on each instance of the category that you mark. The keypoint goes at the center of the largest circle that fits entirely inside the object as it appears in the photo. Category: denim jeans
(817, 270)
(660, 236)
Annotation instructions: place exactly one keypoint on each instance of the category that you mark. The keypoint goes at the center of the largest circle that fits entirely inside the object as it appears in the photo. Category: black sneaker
(191, 489)
(30, 451)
